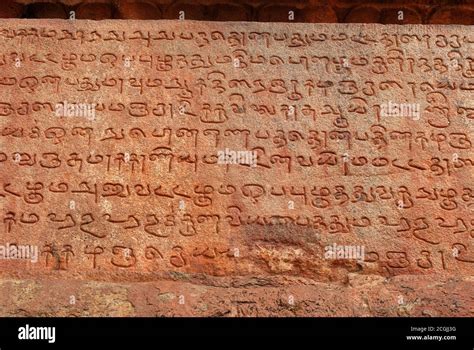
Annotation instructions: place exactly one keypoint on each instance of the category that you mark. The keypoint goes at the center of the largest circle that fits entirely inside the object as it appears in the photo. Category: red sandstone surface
(351, 136)
(310, 11)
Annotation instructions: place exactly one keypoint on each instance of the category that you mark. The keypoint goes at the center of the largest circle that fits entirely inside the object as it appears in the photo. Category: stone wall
(198, 168)
(309, 11)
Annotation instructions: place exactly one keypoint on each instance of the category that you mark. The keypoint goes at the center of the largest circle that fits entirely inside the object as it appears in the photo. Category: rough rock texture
(362, 296)
(307, 11)
(111, 143)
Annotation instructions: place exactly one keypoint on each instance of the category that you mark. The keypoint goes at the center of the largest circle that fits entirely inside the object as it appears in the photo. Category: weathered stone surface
(134, 188)
(448, 14)
(232, 12)
(363, 14)
(320, 14)
(95, 11)
(138, 10)
(10, 9)
(47, 10)
(241, 297)
(314, 11)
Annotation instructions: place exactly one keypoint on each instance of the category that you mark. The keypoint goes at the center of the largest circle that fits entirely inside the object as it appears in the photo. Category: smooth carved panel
(111, 135)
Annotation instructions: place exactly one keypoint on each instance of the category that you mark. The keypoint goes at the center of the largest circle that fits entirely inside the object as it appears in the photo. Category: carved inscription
(121, 148)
